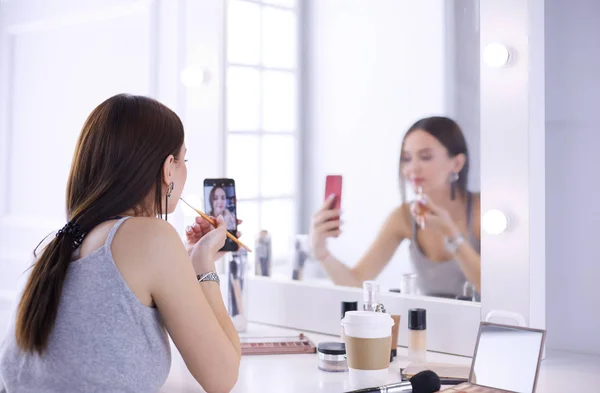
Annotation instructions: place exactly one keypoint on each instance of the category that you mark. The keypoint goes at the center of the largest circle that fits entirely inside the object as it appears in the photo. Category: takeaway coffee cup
(368, 337)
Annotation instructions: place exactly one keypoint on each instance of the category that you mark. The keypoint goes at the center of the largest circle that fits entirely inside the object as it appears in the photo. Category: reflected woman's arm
(395, 229)
(469, 261)
(467, 257)
(326, 224)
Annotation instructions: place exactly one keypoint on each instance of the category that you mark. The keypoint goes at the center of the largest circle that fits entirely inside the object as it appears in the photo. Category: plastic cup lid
(367, 318)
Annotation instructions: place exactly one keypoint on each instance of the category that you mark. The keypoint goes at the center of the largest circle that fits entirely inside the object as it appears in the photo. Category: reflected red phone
(333, 185)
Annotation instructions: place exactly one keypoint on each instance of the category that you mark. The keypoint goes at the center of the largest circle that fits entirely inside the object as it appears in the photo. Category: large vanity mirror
(371, 72)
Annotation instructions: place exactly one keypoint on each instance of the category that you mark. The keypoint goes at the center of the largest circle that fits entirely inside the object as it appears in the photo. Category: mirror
(370, 71)
(496, 358)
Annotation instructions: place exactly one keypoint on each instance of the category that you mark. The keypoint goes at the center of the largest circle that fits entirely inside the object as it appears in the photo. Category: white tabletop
(299, 373)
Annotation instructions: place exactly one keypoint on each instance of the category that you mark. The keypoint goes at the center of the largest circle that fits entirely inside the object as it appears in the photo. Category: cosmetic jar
(332, 356)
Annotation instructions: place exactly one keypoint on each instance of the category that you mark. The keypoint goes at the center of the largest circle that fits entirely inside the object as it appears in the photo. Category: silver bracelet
(452, 244)
(210, 276)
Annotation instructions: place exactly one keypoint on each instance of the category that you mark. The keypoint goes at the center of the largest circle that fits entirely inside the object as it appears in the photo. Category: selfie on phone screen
(220, 200)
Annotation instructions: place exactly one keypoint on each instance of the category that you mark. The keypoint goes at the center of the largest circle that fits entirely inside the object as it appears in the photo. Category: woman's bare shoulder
(148, 226)
(148, 235)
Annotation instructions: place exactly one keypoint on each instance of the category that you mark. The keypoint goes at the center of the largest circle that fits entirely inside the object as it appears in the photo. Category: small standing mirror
(507, 357)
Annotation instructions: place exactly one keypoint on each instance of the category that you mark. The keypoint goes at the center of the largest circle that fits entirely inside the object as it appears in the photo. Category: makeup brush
(422, 207)
(424, 382)
(214, 224)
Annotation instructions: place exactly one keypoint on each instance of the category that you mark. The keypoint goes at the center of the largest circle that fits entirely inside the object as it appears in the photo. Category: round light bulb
(193, 76)
(494, 222)
(496, 55)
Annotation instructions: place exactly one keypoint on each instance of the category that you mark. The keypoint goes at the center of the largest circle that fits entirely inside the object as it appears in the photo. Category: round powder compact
(332, 356)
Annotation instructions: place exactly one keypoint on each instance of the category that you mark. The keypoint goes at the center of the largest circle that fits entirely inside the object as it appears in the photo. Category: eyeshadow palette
(449, 371)
(470, 388)
(277, 345)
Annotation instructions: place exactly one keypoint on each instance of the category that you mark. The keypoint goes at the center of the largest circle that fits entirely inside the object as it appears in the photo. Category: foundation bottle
(417, 335)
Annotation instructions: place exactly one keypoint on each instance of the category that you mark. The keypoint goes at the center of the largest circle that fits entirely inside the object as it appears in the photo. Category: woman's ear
(459, 162)
(168, 169)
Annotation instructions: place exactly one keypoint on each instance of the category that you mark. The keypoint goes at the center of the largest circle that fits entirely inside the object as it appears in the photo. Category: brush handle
(214, 224)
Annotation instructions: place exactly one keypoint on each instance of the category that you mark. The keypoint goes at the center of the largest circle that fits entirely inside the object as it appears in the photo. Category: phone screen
(220, 199)
(333, 185)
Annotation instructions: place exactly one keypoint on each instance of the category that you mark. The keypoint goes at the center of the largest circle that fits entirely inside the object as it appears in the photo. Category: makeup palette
(456, 373)
(277, 345)
(470, 388)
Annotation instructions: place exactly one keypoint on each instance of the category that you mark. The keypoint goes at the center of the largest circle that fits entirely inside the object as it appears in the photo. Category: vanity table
(560, 371)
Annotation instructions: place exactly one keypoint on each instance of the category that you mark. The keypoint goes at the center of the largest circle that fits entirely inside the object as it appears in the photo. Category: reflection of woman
(443, 227)
(106, 290)
(218, 206)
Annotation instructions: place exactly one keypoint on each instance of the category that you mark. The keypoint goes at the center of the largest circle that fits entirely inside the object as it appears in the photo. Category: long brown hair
(117, 167)
(449, 134)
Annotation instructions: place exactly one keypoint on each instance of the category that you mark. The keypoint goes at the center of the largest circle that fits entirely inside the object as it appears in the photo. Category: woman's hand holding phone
(325, 224)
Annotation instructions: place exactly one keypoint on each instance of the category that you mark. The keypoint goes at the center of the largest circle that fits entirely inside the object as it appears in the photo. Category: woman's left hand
(434, 217)
(197, 230)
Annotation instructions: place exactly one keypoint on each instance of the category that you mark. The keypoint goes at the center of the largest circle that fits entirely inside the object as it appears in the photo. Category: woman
(443, 227)
(100, 299)
(218, 206)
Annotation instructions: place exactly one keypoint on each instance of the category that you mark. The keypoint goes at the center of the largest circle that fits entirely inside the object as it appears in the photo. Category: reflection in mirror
(390, 101)
(507, 358)
(394, 109)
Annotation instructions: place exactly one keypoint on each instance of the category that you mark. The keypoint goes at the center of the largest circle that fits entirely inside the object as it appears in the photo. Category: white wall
(58, 60)
(572, 179)
(373, 69)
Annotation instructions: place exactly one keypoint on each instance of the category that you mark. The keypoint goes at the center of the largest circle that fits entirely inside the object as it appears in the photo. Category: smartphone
(220, 199)
(333, 185)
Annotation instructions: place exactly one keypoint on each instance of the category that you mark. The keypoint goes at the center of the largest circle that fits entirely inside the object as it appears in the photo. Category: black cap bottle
(417, 334)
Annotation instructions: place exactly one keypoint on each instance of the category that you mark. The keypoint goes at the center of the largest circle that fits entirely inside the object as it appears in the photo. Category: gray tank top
(444, 279)
(104, 339)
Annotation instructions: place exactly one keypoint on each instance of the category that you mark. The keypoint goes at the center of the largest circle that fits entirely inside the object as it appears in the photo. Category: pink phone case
(333, 185)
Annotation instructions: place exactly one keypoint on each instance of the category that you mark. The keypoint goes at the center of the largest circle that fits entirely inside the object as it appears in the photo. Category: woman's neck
(138, 213)
(442, 199)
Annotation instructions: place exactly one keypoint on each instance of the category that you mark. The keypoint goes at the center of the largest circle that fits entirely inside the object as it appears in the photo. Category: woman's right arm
(193, 313)
(326, 224)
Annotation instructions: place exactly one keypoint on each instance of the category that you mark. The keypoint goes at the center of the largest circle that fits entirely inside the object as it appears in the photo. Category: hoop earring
(453, 179)
(167, 201)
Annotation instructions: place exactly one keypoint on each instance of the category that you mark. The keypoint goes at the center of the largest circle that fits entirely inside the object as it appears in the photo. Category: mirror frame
(512, 108)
